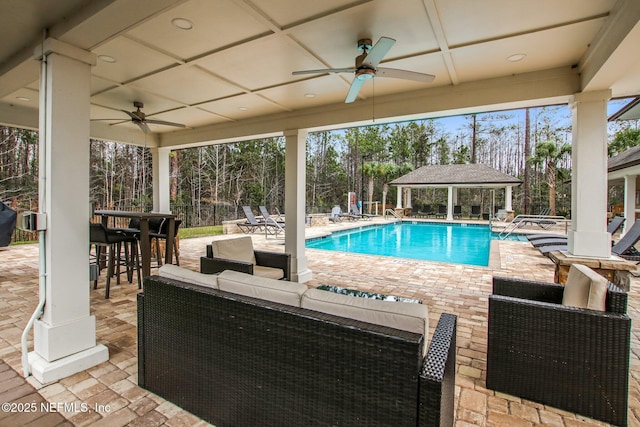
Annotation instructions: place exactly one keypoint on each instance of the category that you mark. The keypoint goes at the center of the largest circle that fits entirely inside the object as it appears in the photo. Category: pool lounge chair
(266, 217)
(251, 224)
(475, 212)
(613, 226)
(442, 211)
(625, 248)
(356, 212)
(457, 212)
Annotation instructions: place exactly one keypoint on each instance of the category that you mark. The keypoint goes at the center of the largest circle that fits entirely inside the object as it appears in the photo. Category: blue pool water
(455, 243)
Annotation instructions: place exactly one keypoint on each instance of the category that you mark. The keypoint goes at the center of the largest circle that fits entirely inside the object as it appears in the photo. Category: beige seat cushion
(399, 315)
(268, 272)
(279, 291)
(239, 249)
(171, 271)
(585, 288)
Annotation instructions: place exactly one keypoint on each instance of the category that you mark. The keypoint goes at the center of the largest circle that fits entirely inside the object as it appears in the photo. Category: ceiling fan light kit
(366, 67)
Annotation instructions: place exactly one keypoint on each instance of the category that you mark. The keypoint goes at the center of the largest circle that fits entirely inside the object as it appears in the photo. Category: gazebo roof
(626, 159)
(468, 175)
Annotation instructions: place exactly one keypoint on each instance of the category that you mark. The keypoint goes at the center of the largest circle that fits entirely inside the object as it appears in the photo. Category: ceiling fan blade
(162, 122)
(378, 51)
(132, 115)
(404, 74)
(327, 70)
(143, 126)
(356, 84)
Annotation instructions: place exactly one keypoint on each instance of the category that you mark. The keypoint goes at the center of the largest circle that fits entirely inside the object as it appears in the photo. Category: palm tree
(548, 154)
(388, 172)
(371, 170)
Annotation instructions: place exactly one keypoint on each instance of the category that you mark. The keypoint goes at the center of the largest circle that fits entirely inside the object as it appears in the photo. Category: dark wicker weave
(569, 358)
(212, 265)
(238, 361)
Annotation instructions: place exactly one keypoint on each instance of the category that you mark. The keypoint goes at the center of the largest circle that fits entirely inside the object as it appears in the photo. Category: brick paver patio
(108, 395)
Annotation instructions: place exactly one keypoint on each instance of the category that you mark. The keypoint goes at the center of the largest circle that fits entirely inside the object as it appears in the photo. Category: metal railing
(392, 213)
(543, 221)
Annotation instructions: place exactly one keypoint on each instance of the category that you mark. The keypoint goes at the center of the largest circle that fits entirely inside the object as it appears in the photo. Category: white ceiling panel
(263, 69)
(190, 116)
(242, 107)
(563, 48)
(216, 23)
(132, 60)
(467, 21)
(325, 90)
(288, 12)
(188, 85)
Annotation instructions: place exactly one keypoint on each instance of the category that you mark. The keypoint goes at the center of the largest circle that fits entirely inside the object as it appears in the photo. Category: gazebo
(454, 177)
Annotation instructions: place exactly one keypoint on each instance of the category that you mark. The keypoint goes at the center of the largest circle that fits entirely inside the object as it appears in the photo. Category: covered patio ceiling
(229, 77)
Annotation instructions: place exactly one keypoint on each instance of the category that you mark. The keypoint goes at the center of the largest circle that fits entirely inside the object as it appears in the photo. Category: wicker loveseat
(576, 359)
(235, 360)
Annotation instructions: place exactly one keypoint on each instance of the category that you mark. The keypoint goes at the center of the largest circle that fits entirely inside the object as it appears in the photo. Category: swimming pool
(454, 243)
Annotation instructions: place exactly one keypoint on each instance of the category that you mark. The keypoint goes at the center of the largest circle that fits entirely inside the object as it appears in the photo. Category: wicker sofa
(244, 360)
(575, 359)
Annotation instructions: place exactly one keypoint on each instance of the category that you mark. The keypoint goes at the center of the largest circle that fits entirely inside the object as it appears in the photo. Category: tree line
(211, 183)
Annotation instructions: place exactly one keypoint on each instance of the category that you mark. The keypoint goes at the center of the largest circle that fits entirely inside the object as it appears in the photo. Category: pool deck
(452, 288)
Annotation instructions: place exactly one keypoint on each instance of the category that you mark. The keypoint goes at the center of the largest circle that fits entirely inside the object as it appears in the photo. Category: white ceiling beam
(614, 46)
(519, 91)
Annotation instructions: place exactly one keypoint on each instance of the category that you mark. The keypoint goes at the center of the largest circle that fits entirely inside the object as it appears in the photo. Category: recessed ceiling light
(107, 58)
(243, 109)
(23, 98)
(183, 24)
(516, 57)
(309, 95)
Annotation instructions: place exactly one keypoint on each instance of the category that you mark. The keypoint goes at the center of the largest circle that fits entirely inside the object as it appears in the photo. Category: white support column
(455, 195)
(450, 204)
(588, 235)
(408, 203)
(508, 198)
(629, 201)
(65, 334)
(399, 198)
(294, 202)
(161, 179)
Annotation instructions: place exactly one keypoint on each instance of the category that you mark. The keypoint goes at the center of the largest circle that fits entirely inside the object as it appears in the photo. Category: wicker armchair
(238, 254)
(570, 358)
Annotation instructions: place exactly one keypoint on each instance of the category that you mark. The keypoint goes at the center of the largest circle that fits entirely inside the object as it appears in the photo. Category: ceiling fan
(367, 67)
(140, 119)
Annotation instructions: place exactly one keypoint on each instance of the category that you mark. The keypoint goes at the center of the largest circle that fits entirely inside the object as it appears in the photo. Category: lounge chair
(475, 212)
(457, 212)
(613, 226)
(356, 212)
(442, 211)
(251, 224)
(266, 217)
(624, 248)
(336, 214)
(571, 358)
(428, 211)
(238, 254)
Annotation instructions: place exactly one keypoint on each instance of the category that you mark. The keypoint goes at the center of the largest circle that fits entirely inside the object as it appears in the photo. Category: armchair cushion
(585, 288)
(171, 271)
(398, 315)
(268, 272)
(282, 292)
(239, 249)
